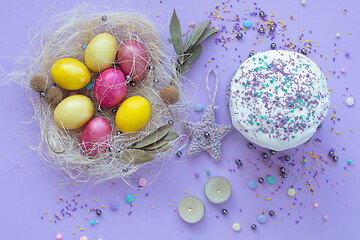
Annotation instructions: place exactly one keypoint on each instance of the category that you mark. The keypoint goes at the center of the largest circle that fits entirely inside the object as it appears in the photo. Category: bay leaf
(172, 135)
(176, 37)
(155, 136)
(155, 145)
(184, 69)
(162, 149)
(207, 33)
(196, 34)
(195, 54)
(187, 44)
(135, 156)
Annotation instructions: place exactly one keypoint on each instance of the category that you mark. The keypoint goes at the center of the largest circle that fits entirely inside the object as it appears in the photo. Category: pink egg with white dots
(110, 88)
(96, 136)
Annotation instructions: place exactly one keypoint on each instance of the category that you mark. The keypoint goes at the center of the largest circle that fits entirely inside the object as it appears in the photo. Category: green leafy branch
(191, 50)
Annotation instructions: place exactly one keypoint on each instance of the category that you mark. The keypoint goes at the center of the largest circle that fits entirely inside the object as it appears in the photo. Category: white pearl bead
(236, 227)
(350, 101)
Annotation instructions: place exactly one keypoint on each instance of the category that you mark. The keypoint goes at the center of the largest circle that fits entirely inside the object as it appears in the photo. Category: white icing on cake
(278, 99)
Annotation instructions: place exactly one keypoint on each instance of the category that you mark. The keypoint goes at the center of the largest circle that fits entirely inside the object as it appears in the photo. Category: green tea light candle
(217, 189)
(191, 209)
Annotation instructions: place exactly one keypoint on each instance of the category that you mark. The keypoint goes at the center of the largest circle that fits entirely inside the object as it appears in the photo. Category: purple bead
(114, 206)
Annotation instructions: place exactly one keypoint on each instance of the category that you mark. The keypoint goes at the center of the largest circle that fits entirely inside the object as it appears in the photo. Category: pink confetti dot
(325, 218)
(79, 45)
(142, 182)
(316, 205)
(58, 236)
(342, 70)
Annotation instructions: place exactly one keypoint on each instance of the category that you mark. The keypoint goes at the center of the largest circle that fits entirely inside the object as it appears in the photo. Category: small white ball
(338, 35)
(236, 227)
(350, 101)
(291, 192)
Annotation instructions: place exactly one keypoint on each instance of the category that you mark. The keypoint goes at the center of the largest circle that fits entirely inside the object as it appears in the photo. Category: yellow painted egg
(100, 53)
(70, 74)
(73, 112)
(132, 114)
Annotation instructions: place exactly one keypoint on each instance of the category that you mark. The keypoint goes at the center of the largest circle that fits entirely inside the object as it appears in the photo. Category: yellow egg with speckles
(70, 74)
(100, 53)
(73, 112)
(132, 114)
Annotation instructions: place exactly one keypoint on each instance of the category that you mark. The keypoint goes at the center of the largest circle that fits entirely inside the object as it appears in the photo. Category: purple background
(29, 187)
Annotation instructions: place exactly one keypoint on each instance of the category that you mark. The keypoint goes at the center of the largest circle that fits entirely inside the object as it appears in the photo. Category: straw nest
(60, 148)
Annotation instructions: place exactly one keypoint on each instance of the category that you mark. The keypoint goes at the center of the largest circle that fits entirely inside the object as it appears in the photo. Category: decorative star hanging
(206, 135)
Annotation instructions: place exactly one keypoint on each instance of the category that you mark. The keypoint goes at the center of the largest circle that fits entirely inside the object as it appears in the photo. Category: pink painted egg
(110, 88)
(133, 60)
(96, 136)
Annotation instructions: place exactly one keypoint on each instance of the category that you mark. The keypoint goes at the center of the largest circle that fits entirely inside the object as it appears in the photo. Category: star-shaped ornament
(206, 135)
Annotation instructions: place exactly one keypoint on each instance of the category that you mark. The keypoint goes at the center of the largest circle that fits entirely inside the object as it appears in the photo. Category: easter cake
(278, 99)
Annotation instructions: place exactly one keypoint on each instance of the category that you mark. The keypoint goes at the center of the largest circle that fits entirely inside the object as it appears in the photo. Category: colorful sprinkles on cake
(278, 99)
